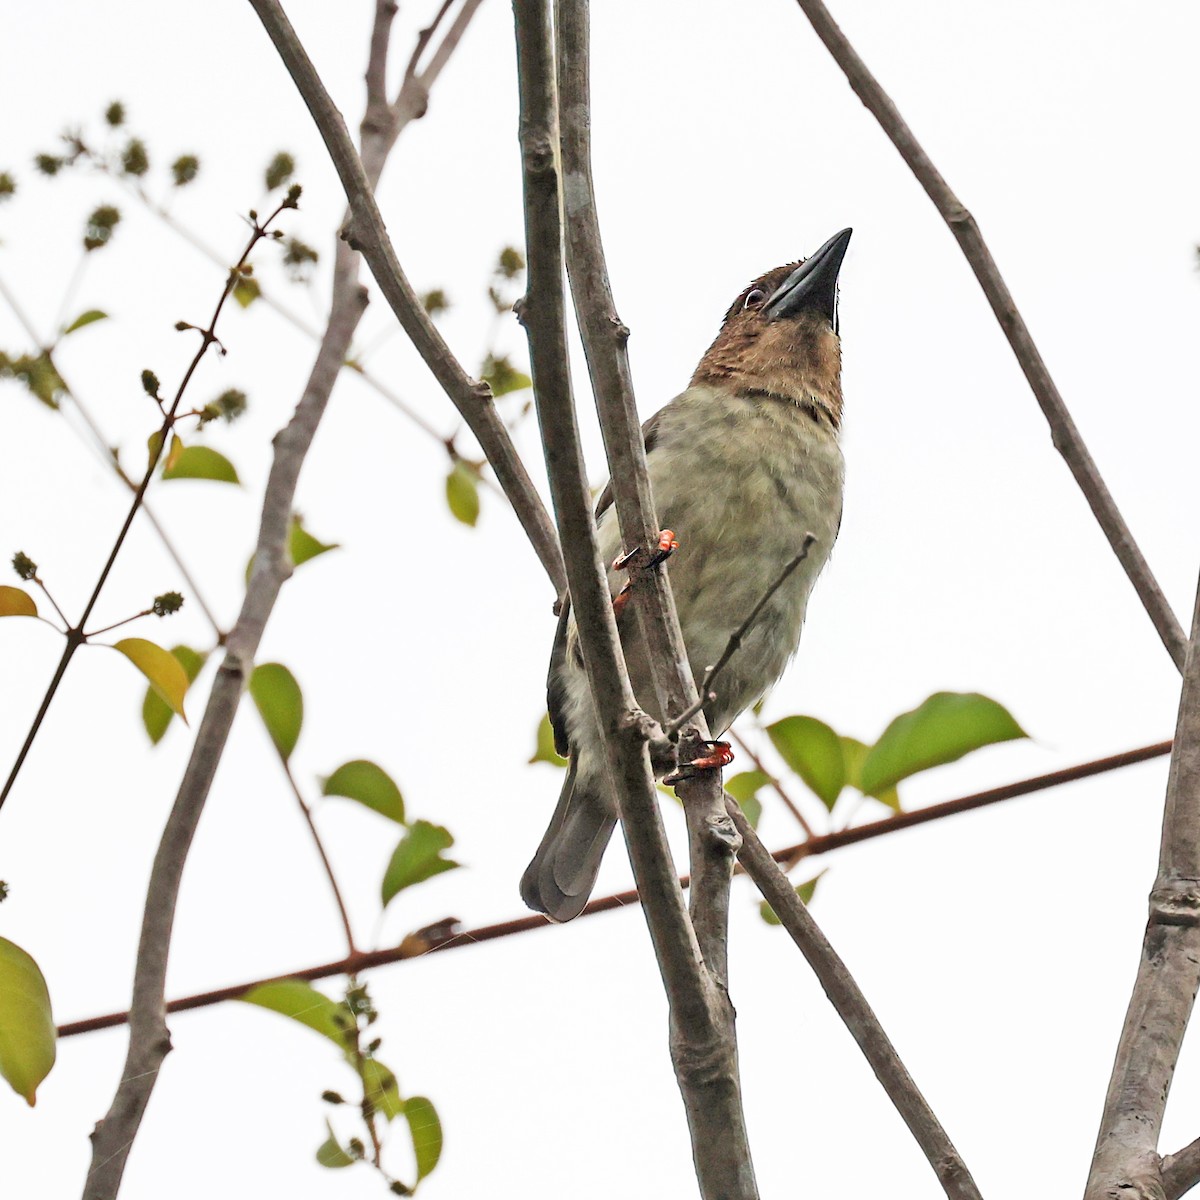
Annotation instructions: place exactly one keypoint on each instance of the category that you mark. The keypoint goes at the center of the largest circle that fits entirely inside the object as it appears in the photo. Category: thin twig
(852, 1007)
(452, 939)
(1126, 1160)
(367, 234)
(1064, 432)
(75, 635)
(735, 643)
(319, 843)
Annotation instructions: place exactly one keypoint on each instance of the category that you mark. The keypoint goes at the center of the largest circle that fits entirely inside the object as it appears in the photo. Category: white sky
(998, 948)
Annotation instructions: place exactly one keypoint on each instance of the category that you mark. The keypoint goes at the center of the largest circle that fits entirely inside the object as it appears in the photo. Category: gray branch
(1181, 1171)
(149, 1038)
(692, 956)
(1063, 431)
(852, 1007)
(366, 233)
(1126, 1156)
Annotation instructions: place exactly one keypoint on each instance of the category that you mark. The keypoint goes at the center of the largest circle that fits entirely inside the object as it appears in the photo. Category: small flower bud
(24, 566)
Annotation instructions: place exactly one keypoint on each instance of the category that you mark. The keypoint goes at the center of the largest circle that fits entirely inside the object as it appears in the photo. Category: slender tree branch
(1064, 432)
(1181, 1171)
(149, 1040)
(366, 233)
(541, 312)
(1126, 1159)
(703, 1040)
(852, 1007)
(377, 56)
(449, 937)
(735, 643)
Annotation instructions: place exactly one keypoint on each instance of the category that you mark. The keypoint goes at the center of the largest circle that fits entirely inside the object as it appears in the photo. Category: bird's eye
(754, 298)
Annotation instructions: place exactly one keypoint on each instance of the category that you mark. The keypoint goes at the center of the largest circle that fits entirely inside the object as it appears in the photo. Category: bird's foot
(719, 755)
(621, 599)
(667, 545)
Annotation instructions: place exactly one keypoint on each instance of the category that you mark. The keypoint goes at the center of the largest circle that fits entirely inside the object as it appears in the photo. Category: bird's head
(779, 338)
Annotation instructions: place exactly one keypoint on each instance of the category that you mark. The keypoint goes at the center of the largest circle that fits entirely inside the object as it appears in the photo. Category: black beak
(812, 286)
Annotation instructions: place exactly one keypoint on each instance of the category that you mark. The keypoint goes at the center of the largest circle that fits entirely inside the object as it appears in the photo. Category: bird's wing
(650, 432)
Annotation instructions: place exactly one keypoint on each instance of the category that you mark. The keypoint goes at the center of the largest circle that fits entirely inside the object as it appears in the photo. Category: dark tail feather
(563, 872)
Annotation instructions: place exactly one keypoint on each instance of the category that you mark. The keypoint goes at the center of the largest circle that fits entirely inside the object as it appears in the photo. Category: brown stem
(451, 939)
(207, 338)
(306, 810)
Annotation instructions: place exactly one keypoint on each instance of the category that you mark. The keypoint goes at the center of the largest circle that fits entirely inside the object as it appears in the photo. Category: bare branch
(704, 1045)
(377, 57)
(149, 1040)
(1181, 1171)
(852, 1007)
(367, 234)
(1164, 993)
(1064, 433)
(541, 312)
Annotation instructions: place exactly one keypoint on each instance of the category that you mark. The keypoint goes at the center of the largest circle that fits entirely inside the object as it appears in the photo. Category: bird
(743, 465)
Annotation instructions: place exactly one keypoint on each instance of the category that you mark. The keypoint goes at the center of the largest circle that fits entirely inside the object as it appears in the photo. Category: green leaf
(381, 1088)
(303, 546)
(544, 750)
(814, 752)
(281, 703)
(462, 492)
(330, 1153)
(744, 787)
(87, 318)
(368, 784)
(752, 810)
(418, 857)
(805, 891)
(16, 602)
(501, 376)
(27, 1033)
(156, 715)
(745, 784)
(426, 1132)
(246, 290)
(164, 671)
(200, 462)
(302, 1002)
(854, 754)
(941, 730)
(38, 373)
